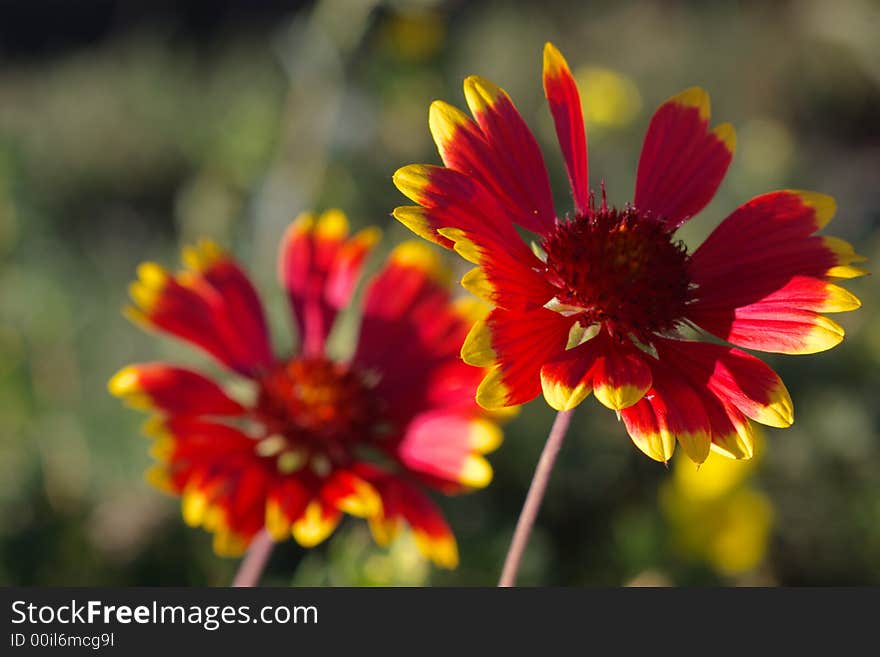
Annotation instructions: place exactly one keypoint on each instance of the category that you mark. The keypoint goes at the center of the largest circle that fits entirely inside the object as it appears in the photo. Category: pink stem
(533, 498)
(254, 561)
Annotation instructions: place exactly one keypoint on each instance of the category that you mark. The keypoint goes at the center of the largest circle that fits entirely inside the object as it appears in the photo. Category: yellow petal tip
(694, 97)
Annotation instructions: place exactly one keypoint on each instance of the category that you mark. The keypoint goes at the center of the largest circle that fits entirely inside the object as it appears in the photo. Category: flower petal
(222, 482)
(411, 334)
(211, 305)
(620, 374)
(735, 377)
(351, 494)
(241, 305)
(402, 501)
(732, 434)
(521, 165)
(459, 213)
(680, 412)
(173, 390)
(682, 164)
(758, 278)
(286, 501)
(318, 265)
(315, 524)
(647, 432)
(464, 148)
(448, 447)
(565, 380)
(432, 534)
(522, 344)
(565, 106)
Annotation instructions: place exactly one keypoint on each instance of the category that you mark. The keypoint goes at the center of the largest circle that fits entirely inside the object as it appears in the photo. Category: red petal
(682, 165)
(565, 106)
(680, 412)
(212, 305)
(447, 447)
(647, 432)
(735, 377)
(522, 165)
(242, 309)
(286, 502)
(433, 536)
(620, 375)
(757, 275)
(172, 390)
(319, 265)
(565, 380)
(522, 344)
(411, 334)
(351, 494)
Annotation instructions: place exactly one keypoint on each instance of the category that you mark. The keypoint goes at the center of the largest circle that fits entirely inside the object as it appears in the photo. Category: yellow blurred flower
(716, 516)
(415, 35)
(610, 99)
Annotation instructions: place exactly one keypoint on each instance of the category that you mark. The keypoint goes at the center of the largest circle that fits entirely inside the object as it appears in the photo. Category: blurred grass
(124, 149)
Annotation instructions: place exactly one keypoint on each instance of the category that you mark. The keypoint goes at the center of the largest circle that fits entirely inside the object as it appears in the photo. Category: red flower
(602, 301)
(320, 437)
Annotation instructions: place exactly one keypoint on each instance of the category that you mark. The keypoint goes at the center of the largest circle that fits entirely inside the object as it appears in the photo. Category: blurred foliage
(128, 145)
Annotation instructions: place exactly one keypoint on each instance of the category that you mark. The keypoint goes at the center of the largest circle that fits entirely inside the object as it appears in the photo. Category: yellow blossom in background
(415, 35)
(609, 99)
(716, 516)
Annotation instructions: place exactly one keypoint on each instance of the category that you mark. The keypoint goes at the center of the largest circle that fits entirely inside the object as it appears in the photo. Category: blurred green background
(129, 129)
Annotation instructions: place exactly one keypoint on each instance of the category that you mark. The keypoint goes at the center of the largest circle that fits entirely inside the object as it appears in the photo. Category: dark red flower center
(618, 268)
(315, 406)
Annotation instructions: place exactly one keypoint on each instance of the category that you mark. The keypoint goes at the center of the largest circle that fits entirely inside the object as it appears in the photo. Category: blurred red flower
(321, 437)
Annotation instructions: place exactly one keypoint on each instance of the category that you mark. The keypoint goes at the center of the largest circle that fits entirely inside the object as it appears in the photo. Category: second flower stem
(533, 498)
(254, 561)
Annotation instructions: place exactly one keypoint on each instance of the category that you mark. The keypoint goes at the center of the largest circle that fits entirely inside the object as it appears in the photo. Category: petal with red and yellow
(565, 379)
(735, 377)
(171, 390)
(732, 434)
(286, 502)
(163, 304)
(211, 305)
(615, 371)
(448, 448)
(241, 305)
(620, 374)
(767, 291)
(464, 148)
(319, 265)
(432, 534)
(385, 525)
(317, 521)
(519, 160)
(449, 198)
(222, 483)
(682, 163)
(647, 431)
(404, 502)
(192, 447)
(760, 277)
(351, 494)
(565, 106)
(515, 346)
(680, 411)
(452, 384)
(459, 213)
(504, 279)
